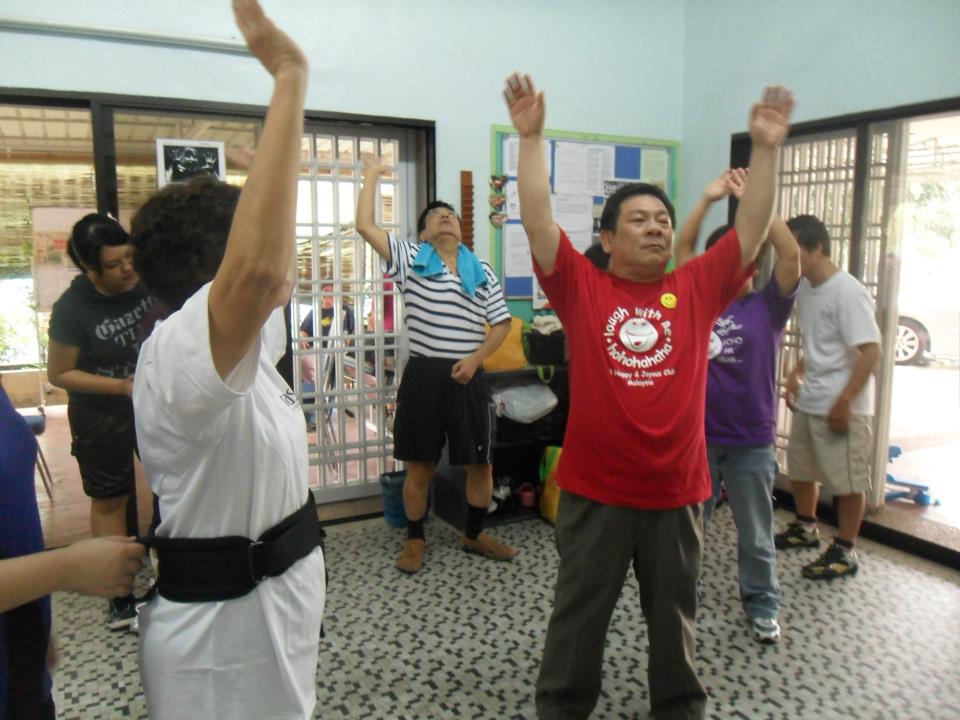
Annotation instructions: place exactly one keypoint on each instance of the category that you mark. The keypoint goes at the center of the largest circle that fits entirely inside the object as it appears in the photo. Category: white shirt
(226, 458)
(836, 317)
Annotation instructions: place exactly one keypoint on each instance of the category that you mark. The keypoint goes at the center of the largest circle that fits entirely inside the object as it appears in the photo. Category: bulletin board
(584, 170)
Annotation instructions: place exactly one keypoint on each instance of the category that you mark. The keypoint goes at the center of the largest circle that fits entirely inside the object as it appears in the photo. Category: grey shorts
(841, 463)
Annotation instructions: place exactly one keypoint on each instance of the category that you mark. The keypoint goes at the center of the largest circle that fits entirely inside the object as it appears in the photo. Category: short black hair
(91, 233)
(179, 236)
(611, 210)
(422, 220)
(810, 231)
(715, 236)
(598, 256)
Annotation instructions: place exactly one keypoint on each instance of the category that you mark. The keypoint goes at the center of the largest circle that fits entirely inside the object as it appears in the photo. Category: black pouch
(544, 349)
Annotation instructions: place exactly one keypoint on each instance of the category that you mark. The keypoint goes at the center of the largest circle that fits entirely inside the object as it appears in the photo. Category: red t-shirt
(638, 375)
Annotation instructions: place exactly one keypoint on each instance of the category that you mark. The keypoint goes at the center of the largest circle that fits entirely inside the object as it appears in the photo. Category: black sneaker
(835, 562)
(119, 617)
(796, 536)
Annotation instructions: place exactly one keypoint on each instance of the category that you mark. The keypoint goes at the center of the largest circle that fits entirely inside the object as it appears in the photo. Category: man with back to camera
(449, 295)
(633, 472)
(830, 391)
(741, 425)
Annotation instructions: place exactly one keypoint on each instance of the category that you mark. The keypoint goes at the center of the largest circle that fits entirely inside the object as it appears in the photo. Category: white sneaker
(765, 630)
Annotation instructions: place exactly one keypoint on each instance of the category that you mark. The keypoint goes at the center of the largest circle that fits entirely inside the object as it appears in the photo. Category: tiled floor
(463, 638)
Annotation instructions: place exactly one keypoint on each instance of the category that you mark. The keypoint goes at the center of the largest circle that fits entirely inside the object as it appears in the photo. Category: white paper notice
(517, 261)
(570, 174)
(512, 207)
(539, 300)
(511, 153)
(599, 164)
(653, 166)
(574, 213)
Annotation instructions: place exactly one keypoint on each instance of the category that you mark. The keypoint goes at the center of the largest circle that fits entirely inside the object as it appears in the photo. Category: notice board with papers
(584, 170)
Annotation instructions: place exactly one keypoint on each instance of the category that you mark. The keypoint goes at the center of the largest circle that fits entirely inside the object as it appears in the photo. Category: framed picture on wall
(180, 160)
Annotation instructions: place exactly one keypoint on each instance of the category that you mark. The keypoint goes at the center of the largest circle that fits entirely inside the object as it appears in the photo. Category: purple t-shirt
(742, 374)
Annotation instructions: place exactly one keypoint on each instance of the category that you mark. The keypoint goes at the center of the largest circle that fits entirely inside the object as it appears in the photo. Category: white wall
(443, 60)
(655, 68)
(838, 56)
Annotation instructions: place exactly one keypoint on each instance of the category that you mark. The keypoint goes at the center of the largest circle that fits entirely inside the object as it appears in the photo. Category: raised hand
(719, 188)
(372, 166)
(770, 118)
(268, 43)
(527, 109)
(736, 182)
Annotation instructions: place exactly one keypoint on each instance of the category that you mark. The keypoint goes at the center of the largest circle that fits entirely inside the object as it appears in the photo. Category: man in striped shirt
(449, 296)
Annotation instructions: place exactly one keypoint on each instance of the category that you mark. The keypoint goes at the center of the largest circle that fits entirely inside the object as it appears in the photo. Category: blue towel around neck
(428, 263)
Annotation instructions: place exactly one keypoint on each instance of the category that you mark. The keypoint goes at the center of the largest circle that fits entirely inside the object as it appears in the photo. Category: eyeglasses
(434, 212)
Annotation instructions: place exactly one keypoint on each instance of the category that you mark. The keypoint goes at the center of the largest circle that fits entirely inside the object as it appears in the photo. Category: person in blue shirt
(103, 566)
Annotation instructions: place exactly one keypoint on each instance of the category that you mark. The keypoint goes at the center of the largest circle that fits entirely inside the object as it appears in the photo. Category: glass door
(916, 211)
(46, 184)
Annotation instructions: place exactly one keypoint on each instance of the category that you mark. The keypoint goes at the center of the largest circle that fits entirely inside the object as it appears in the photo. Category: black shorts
(433, 408)
(104, 440)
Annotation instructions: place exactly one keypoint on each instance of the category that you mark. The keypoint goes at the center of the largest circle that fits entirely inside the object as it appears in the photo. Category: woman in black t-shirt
(94, 341)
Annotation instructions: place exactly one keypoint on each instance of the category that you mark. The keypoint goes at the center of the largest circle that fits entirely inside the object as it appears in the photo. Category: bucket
(528, 495)
(392, 485)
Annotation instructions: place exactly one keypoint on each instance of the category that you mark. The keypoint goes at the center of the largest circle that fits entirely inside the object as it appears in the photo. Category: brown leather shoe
(411, 559)
(488, 547)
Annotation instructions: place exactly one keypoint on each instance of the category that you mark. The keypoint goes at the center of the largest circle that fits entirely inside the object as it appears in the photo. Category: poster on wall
(180, 160)
(583, 170)
(53, 271)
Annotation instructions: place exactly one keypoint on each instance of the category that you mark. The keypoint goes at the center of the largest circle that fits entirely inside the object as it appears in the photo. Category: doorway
(923, 246)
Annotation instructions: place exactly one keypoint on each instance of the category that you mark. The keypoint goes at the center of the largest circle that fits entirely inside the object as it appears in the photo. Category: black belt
(223, 568)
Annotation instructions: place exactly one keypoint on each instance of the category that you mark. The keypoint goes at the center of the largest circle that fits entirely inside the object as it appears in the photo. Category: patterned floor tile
(463, 638)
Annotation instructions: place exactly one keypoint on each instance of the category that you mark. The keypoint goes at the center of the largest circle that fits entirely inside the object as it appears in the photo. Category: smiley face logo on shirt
(668, 300)
(638, 334)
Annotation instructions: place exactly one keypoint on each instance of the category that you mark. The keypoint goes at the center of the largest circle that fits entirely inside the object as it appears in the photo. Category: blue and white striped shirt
(442, 321)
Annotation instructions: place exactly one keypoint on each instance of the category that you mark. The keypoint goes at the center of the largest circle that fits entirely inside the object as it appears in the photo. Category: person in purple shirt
(741, 421)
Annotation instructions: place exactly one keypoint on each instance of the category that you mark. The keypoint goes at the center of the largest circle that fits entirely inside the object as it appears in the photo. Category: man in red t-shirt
(633, 472)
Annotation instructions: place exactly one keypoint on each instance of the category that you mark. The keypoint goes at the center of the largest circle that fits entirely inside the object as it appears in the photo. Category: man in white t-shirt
(830, 391)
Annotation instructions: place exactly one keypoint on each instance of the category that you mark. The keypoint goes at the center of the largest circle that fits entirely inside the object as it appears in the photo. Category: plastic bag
(525, 403)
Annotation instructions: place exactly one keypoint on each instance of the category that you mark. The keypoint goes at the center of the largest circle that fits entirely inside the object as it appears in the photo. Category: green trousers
(597, 544)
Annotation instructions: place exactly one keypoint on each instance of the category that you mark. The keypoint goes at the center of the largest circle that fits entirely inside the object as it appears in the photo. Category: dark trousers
(597, 543)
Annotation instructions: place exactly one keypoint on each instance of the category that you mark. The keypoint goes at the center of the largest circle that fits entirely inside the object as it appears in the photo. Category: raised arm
(527, 111)
(257, 272)
(769, 126)
(786, 271)
(367, 226)
(731, 181)
(104, 567)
